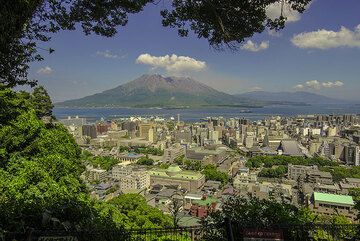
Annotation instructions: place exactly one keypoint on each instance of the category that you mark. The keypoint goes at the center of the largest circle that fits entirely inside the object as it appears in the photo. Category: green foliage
(124, 148)
(145, 160)
(170, 125)
(224, 23)
(355, 193)
(270, 161)
(41, 102)
(251, 212)
(12, 104)
(40, 185)
(211, 173)
(40, 169)
(142, 150)
(179, 160)
(137, 214)
(29, 22)
(277, 172)
(104, 162)
(296, 223)
(164, 165)
(344, 230)
(340, 173)
(193, 165)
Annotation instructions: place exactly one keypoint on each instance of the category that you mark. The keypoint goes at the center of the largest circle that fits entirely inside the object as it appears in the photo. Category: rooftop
(174, 168)
(206, 202)
(333, 198)
(176, 173)
(201, 150)
(290, 147)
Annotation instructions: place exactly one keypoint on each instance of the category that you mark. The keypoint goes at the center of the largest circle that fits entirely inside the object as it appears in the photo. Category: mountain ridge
(297, 96)
(159, 91)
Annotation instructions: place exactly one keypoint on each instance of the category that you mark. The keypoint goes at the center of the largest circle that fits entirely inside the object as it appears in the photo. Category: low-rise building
(319, 177)
(217, 155)
(130, 157)
(173, 175)
(294, 171)
(330, 204)
(201, 208)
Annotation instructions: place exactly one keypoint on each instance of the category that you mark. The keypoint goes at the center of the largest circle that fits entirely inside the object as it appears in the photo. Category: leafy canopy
(40, 184)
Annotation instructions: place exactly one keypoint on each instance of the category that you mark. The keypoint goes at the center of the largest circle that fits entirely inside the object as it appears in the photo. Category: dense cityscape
(307, 161)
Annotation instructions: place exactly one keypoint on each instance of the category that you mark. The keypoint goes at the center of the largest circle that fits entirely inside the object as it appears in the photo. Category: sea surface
(194, 115)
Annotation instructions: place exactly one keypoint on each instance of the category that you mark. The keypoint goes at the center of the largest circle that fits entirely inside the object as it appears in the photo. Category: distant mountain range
(159, 91)
(297, 97)
(181, 92)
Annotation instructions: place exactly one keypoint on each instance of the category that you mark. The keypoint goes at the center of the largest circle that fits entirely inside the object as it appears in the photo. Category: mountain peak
(157, 82)
(159, 91)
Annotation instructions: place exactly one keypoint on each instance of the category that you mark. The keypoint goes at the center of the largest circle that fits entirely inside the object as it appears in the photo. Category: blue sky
(312, 53)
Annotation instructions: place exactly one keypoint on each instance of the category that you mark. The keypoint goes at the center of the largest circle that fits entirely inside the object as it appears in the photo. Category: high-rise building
(144, 130)
(351, 155)
(152, 135)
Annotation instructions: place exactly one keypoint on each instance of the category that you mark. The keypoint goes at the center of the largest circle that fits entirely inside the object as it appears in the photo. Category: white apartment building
(131, 178)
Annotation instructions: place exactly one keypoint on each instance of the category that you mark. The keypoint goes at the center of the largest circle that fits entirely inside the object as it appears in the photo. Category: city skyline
(296, 58)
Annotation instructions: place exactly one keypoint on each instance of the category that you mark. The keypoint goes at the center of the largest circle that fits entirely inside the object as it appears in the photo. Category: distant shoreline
(184, 107)
(158, 107)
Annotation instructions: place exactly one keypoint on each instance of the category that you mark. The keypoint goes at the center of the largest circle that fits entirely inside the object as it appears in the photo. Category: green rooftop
(333, 198)
(206, 202)
(176, 174)
(174, 168)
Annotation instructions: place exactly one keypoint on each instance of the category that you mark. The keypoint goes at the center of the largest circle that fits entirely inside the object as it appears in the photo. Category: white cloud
(273, 11)
(333, 84)
(108, 54)
(316, 85)
(256, 88)
(299, 87)
(254, 47)
(326, 39)
(274, 33)
(172, 63)
(45, 70)
(313, 84)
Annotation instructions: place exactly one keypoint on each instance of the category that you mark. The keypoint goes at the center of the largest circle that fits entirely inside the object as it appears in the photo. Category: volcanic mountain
(159, 91)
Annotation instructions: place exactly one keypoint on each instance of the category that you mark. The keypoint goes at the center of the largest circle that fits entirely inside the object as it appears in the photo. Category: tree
(355, 193)
(277, 172)
(29, 22)
(40, 183)
(139, 214)
(41, 102)
(175, 207)
(11, 105)
(243, 213)
(211, 173)
(145, 161)
(296, 223)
